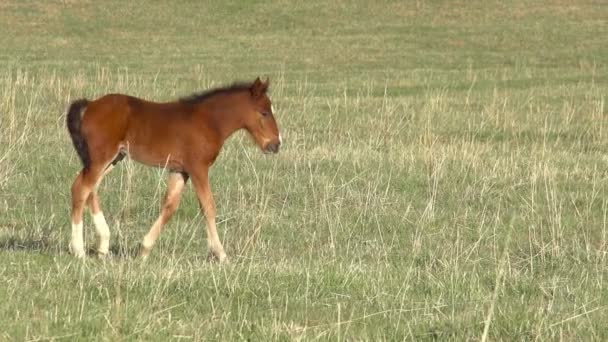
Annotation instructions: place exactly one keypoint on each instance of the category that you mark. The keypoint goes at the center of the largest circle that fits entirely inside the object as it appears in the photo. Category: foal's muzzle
(272, 148)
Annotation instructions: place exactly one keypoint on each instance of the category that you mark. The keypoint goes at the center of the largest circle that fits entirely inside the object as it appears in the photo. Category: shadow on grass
(120, 251)
(45, 246)
(24, 244)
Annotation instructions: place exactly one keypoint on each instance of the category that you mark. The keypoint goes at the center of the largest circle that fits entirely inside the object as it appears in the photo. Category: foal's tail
(74, 119)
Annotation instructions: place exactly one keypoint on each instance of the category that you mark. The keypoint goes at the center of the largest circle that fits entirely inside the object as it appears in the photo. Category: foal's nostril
(274, 148)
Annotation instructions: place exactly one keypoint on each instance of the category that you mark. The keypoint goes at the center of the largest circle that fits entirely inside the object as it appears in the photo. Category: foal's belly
(158, 157)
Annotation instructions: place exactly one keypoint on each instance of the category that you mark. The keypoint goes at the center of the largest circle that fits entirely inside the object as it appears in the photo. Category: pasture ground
(444, 174)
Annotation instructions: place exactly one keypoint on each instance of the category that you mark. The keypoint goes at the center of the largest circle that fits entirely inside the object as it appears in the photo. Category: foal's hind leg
(172, 197)
(81, 189)
(101, 226)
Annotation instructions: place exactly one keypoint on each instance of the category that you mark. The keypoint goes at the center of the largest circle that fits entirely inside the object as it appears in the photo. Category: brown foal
(185, 137)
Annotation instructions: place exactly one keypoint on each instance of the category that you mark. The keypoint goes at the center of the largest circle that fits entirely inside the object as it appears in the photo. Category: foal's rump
(104, 125)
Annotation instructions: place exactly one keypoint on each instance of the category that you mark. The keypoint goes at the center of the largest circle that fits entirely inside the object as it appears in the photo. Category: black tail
(74, 118)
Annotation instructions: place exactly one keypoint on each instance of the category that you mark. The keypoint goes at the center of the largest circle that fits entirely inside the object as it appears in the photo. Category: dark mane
(199, 97)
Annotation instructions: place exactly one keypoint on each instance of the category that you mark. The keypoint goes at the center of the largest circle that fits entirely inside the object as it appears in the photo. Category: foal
(185, 137)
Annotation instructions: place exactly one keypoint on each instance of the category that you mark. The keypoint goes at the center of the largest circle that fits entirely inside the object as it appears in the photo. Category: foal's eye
(265, 113)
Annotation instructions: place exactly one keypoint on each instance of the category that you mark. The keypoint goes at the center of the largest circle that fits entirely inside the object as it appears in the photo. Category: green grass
(444, 174)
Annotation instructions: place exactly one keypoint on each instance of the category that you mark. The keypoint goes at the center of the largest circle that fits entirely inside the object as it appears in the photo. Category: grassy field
(444, 174)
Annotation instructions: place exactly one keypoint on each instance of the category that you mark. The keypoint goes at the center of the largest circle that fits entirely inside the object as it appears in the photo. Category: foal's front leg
(175, 187)
(203, 191)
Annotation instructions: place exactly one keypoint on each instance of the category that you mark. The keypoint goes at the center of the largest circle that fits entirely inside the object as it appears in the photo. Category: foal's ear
(259, 88)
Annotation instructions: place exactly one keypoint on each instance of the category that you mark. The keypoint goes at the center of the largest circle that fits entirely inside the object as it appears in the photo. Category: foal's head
(260, 121)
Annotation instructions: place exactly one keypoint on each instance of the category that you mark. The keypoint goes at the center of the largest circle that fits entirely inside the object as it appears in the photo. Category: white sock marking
(103, 232)
(77, 243)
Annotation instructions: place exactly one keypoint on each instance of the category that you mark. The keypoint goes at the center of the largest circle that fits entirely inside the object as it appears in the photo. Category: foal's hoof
(79, 255)
(77, 252)
(144, 253)
(103, 255)
(222, 259)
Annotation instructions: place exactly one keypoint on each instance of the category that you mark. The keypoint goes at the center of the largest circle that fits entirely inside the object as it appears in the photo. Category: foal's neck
(226, 113)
